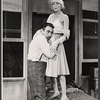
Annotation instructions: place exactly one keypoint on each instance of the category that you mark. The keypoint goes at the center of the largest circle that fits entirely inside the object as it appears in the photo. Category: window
(13, 59)
(90, 35)
(13, 45)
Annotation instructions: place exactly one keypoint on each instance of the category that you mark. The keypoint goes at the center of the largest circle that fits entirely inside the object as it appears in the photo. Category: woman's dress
(58, 65)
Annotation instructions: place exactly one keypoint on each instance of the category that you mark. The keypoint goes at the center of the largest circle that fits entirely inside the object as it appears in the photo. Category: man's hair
(44, 25)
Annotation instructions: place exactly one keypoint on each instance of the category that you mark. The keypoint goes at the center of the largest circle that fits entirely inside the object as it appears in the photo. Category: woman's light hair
(59, 1)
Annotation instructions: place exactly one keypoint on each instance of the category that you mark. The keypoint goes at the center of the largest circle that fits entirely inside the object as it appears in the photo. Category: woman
(58, 65)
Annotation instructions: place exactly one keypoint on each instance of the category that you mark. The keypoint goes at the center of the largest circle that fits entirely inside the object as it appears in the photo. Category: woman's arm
(65, 31)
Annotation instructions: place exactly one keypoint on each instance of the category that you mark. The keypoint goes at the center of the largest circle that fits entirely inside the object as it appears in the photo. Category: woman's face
(56, 6)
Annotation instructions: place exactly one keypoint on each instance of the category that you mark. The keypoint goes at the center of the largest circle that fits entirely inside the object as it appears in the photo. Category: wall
(91, 5)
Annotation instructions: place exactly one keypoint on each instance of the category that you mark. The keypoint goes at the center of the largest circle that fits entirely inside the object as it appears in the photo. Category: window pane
(11, 24)
(13, 59)
(87, 66)
(90, 14)
(90, 29)
(90, 48)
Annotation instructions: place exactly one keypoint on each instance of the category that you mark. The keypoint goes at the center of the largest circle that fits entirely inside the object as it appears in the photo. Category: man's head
(47, 29)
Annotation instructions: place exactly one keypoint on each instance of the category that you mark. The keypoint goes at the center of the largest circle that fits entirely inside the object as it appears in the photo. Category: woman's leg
(63, 87)
(55, 86)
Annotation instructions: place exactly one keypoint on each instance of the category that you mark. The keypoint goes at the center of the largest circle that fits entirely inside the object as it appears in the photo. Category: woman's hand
(54, 45)
(53, 49)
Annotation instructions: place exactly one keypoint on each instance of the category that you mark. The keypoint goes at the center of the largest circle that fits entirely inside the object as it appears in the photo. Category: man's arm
(45, 47)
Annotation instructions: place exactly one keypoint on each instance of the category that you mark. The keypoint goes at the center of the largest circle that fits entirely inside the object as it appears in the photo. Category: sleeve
(58, 41)
(66, 32)
(66, 35)
(45, 47)
(63, 38)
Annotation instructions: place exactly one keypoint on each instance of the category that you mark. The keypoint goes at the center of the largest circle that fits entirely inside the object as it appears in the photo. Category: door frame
(73, 8)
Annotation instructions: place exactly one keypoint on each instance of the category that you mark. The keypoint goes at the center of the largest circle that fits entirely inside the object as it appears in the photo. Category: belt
(37, 61)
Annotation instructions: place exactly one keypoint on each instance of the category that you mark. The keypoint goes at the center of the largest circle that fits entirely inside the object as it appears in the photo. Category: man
(39, 49)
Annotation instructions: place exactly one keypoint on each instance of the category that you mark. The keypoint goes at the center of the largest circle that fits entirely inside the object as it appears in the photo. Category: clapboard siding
(91, 5)
(12, 5)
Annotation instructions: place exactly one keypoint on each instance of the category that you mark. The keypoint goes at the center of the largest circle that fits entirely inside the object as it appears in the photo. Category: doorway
(39, 19)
